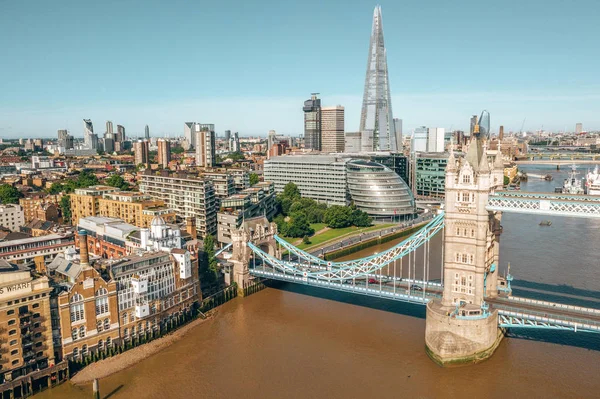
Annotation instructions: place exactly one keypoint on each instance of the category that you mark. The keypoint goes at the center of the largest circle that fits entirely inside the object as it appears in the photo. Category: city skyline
(505, 70)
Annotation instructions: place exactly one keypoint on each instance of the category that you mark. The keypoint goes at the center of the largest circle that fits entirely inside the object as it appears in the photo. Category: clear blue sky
(248, 65)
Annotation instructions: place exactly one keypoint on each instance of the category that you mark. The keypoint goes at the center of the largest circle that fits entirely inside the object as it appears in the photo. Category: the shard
(376, 118)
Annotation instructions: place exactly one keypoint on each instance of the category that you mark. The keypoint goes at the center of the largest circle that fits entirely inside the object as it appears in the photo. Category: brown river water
(294, 341)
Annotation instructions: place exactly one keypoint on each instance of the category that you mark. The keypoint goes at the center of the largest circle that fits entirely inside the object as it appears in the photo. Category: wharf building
(187, 195)
(87, 306)
(38, 250)
(11, 216)
(258, 200)
(26, 345)
(333, 180)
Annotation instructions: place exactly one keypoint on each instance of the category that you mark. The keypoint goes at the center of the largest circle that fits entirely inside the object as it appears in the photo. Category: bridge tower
(259, 232)
(460, 328)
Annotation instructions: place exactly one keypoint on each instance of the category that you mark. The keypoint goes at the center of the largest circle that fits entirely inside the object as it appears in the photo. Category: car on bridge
(416, 287)
(373, 281)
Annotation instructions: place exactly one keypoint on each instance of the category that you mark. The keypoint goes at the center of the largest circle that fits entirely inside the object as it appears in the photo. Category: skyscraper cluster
(323, 126)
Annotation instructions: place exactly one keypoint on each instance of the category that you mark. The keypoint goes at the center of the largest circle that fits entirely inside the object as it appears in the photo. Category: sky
(248, 66)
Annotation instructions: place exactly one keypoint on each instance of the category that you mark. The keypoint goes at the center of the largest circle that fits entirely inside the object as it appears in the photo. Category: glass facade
(430, 174)
(378, 190)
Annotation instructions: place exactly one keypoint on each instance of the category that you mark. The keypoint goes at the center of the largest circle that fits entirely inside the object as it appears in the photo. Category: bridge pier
(452, 340)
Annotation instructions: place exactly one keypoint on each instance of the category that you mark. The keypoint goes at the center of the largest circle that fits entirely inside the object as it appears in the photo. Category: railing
(553, 305)
(515, 318)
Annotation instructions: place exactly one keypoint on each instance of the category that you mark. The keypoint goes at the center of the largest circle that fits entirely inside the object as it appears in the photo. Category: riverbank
(115, 364)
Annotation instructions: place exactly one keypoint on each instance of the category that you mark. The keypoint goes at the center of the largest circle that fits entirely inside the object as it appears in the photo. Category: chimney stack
(190, 227)
(84, 258)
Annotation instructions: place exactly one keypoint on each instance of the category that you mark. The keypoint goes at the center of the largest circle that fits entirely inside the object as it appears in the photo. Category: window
(108, 342)
(101, 305)
(124, 318)
(35, 305)
(35, 316)
(106, 324)
(15, 362)
(75, 334)
(12, 332)
(13, 342)
(11, 311)
(99, 326)
(77, 312)
(14, 352)
(466, 178)
(84, 350)
(11, 322)
(100, 345)
(75, 352)
(82, 332)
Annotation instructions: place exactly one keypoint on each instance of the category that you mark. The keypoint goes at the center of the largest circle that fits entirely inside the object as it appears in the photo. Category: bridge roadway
(514, 312)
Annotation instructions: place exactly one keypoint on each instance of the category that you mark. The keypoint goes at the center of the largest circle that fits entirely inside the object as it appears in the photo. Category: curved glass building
(378, 190)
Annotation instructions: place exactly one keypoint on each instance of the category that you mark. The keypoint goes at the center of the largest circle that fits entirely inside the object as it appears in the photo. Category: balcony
(28, 355)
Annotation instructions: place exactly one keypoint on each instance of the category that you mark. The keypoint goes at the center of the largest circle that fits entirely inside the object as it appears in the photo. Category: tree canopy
(254, 179)
(85, 179)
(65, 206)
(208, 263)
(9, 194)
(117, 181)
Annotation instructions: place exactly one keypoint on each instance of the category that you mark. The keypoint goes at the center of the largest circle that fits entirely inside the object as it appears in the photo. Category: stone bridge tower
(259, 232)
(460, 328)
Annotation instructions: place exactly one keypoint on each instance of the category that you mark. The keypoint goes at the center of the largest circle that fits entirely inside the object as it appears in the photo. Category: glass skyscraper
(312, 123)
(376, 118)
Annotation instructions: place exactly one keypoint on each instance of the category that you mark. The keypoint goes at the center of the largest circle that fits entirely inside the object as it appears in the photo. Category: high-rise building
(484, 124)
(120, 134)
(109, 127)
(188, 133)
(376, 118)
(501, 133)
(147, 133)
(164, 152)
(109, 142)
(142, 152)
(435, 139)
(205, 144)
(89, 138)
(234, 143)
(352, 142)
(332, 129)
(419, 140)
(398, 131)
(578, 128)
(473, 123)
(271, 139)
(199, 193)
(65, 140)
(312, 123)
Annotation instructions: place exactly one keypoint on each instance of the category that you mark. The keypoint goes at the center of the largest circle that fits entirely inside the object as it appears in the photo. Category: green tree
(360, 218)
(306, 240)
(236, 156)
(65, 206)
(254, 179)
(282, 225)
(506, 181)
(117, 181)
(299, 226)
(9, 194)
(291, 191)
(337, 216)
(86, 179)
(177, 150)
(208, 265)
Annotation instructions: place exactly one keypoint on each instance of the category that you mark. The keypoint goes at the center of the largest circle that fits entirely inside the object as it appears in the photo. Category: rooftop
(7, 267)
(312, 159)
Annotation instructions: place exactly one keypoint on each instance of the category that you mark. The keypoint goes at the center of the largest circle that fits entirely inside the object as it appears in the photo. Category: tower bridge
(469, 305)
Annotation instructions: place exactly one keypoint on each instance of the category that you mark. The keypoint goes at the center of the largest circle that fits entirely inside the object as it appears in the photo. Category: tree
(9, 194)
(282, 225)
(65, 206)
(305, 240)
(177, 150)
(506, 181)
(299, 226)
(360, 218)
(208, 263)
(86, 179)
(338, 216)
(291, 191)
(117, 181)
(254, 179)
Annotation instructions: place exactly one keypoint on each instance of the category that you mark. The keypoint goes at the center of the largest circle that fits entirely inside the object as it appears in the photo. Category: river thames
(293, 341)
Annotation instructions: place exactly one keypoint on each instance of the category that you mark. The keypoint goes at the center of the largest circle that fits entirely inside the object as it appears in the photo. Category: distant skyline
(248, 67)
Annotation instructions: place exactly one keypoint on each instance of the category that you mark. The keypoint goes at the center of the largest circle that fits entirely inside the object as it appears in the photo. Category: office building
(136, 208)
(435, 139)
(352, 142)
(205, 145)
(65, 140)
(11, 216)
(109, 143)
(164, 152)
(429, 174)
(312, 123)
(120, 137)
(234, 143)
(187, 195)
(106, 236)
(378, 190)
(271, 140)
(332, 129)
(578, 128)
(141, 150)
(376, 118)
(227, 135)
(147, 133)
(189, 134)
(472, 125)
(86, 201)
(258, 200)
(109, 127)
(484, 124)
(419, 140)
(90, 139)
(333, 179)
(398, 131)
(26, 333)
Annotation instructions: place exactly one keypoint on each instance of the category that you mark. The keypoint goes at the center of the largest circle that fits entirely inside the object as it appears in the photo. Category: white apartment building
(12, 216)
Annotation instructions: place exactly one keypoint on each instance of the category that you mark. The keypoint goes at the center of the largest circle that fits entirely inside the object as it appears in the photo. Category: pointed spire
(473, 151)
(498, 163)
(483, 162)
(451, 165)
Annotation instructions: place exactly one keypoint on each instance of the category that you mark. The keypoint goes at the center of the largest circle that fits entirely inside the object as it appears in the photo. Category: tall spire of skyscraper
(376, 118)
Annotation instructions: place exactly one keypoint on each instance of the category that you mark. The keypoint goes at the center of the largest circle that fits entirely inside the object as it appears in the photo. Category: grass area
(318, 226)
(333, 234)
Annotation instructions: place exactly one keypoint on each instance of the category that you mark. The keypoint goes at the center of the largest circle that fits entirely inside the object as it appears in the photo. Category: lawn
(332, 234)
